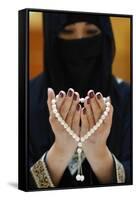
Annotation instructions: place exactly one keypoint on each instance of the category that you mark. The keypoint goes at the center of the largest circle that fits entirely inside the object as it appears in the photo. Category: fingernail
(78, 107)
(84, 111)
(91, 94)
(75, 96)
(88, 101)
(99, 95)
(70, 92)
(49, 90)
(61, 94)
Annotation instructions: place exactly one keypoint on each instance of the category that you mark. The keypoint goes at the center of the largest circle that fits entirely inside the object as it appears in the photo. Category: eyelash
(67, 31)
(71, 31)
(92, 31)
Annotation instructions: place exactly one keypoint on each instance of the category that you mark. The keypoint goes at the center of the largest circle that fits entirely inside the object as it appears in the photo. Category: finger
(100, 100)
(75, 126)
(60, 99)
(64, 109)
(84, 122)
(51, 95)
(89, 112)
(94, 106)
(106, 125)
(108, 119)
(72, 109)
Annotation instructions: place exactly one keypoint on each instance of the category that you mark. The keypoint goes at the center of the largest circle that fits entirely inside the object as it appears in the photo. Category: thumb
(51, 95)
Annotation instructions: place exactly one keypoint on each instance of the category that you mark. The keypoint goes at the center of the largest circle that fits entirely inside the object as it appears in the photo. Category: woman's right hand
(69, 109)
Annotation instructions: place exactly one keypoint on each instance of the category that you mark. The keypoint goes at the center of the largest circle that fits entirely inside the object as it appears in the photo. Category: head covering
(95, 73)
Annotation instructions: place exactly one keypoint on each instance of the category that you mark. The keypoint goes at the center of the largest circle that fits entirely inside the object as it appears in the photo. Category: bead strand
(71, 132)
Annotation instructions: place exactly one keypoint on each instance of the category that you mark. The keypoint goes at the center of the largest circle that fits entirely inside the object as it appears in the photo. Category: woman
(78, 58)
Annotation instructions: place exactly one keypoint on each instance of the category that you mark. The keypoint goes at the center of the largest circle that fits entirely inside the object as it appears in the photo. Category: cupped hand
(95, 148)
(95, 145)
(69, 108)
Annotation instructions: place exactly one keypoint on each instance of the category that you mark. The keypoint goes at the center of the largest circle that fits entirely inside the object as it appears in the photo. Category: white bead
(86, 137)
(107, 109)
(82, 178)
(104, 99)
(98, 124)
(103, 117)
(79, 144)
(78, 177)
(108, 99)
(82, 139)
(94, 127)
(54, 106)
(57, 96)
(68, 129)
(62, 122)
(57, 115)
(89, 133)
(108, 104)
(65, 126)
(100, 121)
(55, 111)
(59, 118)
(53, 101)
(79, 150)
(105, 113)
(74, 136)
(92, 131)
(71, 132)
(82, 100)
(77, 138)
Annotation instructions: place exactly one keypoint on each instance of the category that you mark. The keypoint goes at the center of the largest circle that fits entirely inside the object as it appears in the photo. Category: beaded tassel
(79, 176)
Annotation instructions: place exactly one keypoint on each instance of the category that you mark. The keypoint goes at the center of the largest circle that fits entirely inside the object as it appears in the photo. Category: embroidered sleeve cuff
(119, 171)
(40, 174)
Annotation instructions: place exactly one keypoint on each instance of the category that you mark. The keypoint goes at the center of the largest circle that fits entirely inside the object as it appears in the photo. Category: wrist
(57, 162)
(95, 151)
(61, 154)
(104, 156)
(100, 157)
(102, 165)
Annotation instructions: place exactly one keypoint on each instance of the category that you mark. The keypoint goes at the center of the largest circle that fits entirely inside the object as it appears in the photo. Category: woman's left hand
(95, 148)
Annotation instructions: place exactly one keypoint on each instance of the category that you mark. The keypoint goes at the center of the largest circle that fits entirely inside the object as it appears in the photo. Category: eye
(92, 31)
(66, 31)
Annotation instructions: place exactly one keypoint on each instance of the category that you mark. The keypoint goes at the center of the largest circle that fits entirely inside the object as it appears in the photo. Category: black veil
(53, 23)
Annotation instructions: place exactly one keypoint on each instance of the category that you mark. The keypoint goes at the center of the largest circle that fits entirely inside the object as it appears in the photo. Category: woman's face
(79, 30)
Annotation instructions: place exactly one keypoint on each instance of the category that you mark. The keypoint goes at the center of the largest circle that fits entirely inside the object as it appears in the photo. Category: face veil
(88, 65)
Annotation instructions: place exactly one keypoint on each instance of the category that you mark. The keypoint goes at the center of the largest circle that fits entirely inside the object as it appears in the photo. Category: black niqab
(81, 60)
(91, 74)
